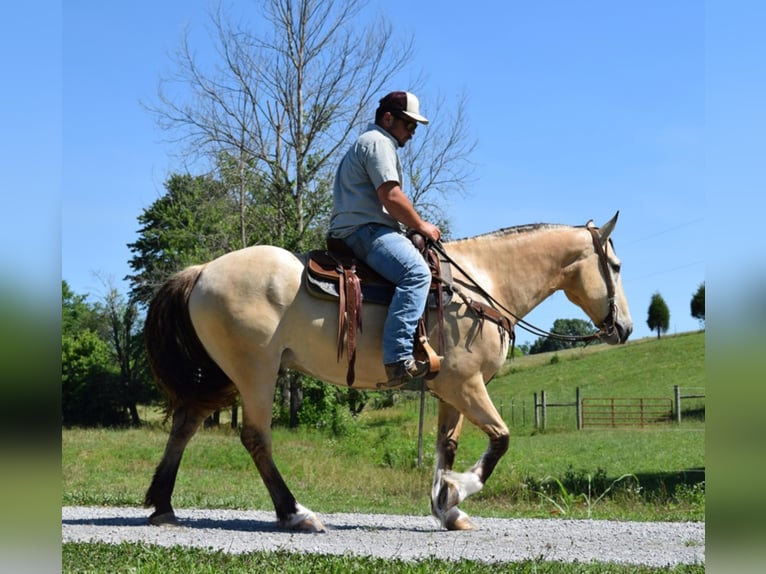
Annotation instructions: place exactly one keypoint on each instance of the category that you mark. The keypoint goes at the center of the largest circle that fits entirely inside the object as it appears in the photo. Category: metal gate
(616, 412)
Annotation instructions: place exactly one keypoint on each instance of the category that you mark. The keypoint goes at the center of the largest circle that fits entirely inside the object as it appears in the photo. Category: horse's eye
(615, 267)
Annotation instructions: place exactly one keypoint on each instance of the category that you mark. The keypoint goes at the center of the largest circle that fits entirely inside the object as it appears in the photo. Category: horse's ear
(590, 224)
(606, 230)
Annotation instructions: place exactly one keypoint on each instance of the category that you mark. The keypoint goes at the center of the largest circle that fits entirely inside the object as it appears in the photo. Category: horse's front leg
(448, 435)
(450, 488)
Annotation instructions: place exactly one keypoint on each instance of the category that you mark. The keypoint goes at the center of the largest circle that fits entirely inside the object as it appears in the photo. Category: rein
(606, 327)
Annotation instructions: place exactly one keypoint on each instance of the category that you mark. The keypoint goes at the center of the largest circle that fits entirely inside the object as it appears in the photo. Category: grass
(652, 473)
(128, 557)
(114, 468)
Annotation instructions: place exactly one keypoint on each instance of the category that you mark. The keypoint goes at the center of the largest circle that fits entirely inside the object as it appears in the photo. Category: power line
(668, 270)
(666, 231)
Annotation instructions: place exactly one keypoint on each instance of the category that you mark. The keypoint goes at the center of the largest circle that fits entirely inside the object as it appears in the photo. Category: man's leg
(394, 257)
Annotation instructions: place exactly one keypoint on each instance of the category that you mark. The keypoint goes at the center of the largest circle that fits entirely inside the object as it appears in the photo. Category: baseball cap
(404, 103)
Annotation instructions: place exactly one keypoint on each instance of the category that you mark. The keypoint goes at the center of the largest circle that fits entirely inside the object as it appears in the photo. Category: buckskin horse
(227, 327)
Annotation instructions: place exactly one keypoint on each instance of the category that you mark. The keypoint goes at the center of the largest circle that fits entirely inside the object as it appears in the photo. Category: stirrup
(401, 373)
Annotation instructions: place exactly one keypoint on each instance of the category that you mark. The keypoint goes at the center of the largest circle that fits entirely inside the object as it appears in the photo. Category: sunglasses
(409, 124)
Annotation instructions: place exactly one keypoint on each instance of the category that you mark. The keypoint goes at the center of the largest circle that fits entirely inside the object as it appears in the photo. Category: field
(369, 464)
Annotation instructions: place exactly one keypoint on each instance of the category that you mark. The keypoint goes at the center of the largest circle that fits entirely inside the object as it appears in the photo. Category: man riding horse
(368, 211)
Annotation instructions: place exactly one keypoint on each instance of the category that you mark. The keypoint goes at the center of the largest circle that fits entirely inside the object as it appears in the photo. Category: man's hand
(430, 231)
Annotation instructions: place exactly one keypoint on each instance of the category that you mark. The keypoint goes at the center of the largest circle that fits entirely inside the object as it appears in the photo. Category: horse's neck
(518, 267)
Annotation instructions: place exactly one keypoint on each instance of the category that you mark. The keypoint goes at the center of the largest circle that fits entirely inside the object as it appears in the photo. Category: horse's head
(594, 284)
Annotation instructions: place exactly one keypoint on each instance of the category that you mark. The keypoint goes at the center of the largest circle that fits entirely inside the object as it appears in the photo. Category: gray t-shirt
(370, 162)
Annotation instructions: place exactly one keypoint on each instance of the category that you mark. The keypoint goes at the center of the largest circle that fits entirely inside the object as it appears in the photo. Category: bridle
(609, 324)
(606, 327)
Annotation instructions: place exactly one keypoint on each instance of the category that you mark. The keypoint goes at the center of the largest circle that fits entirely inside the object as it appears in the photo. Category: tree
(125, 336)
(659, 315)
(283, 102)
(104, 374)
(193, 222)
(698, 304)
(436, 162)
(87, 370)
(565, 327)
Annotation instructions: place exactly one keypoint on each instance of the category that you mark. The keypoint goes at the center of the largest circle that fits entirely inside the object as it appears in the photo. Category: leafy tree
(659, 315)
(103, 369)
(520, 350)
(193, 222)
(87, 369)
(565, 327)
(698, 304)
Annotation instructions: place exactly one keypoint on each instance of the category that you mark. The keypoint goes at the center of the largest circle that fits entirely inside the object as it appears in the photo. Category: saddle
(337, 274)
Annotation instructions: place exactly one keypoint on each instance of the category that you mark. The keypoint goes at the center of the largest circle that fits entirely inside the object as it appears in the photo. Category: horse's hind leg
(257, 405)
(185, 423)
(290, 514)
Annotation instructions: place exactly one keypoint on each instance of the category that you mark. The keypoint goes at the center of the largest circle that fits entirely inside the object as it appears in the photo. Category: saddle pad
(323, 282)
(328, 289)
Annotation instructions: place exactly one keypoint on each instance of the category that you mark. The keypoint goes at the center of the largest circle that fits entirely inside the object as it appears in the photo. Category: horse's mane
(516, 229)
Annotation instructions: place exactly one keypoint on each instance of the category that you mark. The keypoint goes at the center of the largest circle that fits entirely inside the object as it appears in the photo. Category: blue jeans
(394, 257)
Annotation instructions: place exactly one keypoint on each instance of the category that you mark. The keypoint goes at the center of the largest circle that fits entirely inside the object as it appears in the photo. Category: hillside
(646, 368)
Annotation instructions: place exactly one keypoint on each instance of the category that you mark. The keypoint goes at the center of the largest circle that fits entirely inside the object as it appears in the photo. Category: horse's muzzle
(616, 334)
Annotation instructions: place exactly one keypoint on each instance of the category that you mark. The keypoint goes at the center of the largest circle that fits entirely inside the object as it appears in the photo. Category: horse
(226, 328)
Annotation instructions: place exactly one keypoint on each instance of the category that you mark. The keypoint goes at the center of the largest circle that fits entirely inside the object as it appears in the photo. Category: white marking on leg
(464, 484)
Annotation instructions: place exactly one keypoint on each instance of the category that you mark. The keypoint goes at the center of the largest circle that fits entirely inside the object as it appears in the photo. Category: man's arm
(400, 208)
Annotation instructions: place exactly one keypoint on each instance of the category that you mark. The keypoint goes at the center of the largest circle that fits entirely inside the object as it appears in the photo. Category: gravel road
(403, 537)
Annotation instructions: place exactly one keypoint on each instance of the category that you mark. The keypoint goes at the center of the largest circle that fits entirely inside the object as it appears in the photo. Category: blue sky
(580, 109)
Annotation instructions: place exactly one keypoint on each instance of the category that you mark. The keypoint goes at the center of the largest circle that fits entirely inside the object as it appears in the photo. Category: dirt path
(404, 537)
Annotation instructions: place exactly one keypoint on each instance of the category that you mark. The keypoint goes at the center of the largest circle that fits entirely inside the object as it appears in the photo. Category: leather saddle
(337, 274)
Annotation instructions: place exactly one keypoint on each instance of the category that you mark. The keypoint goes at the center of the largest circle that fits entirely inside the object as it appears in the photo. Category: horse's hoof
(304, 520)
(462, 523)
(164, 519)
(458, 520)
(310, 524)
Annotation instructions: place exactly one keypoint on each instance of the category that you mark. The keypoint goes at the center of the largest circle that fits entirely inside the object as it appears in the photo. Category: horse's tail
(179, 362)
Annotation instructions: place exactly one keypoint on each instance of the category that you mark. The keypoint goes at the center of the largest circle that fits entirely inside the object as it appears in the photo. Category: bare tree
(282, 103)
(437, 162)
(120, 326)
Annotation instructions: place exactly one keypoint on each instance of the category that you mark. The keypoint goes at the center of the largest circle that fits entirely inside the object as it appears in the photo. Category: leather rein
(606, 328)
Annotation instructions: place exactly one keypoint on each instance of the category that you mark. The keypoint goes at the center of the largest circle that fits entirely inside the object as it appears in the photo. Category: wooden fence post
(677, 400)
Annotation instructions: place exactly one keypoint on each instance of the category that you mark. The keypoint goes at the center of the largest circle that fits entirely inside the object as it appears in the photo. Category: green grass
(87, 558)
(652, 473)
(667, 460)
(645, 368)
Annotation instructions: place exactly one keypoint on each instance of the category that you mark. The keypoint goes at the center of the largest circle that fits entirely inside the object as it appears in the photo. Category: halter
(606, 327)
